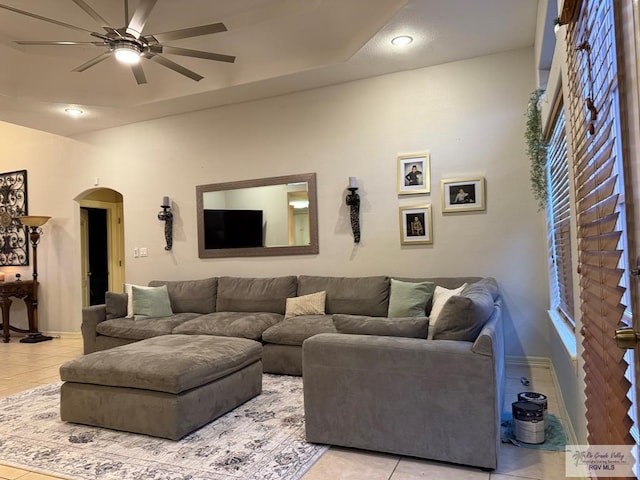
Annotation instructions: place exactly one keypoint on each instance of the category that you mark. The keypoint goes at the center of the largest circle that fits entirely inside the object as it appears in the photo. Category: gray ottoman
(165, 386)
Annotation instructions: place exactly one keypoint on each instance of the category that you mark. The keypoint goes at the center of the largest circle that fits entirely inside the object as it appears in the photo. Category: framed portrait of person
(414, 174)
(415, 225)
(462, 194)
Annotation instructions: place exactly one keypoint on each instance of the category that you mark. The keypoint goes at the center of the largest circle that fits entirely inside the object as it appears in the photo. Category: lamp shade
(33, 220)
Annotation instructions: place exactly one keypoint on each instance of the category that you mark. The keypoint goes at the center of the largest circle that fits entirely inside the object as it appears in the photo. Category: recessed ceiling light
(74, 112)
(402, 40)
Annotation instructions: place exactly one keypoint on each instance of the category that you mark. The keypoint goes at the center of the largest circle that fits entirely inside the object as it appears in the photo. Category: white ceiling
(281, 46)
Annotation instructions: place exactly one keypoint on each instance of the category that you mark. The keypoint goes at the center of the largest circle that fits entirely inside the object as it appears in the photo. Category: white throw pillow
(312, 304)
(128, 289)
(440, 297)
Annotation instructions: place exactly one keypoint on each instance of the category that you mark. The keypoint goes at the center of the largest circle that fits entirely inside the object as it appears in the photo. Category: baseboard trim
(73, 335)
(545, 362)
(518, 361)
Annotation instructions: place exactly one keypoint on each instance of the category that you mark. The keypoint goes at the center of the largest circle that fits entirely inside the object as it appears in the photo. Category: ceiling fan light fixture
(126, 52)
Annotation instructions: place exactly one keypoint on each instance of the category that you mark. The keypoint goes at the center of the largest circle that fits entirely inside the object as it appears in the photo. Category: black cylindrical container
(537, 398)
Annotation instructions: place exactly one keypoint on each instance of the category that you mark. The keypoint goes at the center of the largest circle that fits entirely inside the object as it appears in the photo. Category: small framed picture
(414, 174)
(415, 225)
(462, 194)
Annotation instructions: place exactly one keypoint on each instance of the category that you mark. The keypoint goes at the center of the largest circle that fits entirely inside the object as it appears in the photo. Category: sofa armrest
(490, 341)
(91, 316)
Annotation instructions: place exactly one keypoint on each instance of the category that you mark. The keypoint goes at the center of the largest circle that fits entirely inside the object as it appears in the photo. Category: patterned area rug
(260, 440)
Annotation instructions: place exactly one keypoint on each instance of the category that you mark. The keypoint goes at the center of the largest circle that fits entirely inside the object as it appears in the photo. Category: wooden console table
(24, 290)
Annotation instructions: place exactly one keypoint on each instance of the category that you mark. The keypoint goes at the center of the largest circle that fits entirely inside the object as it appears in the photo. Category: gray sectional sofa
(370, 381)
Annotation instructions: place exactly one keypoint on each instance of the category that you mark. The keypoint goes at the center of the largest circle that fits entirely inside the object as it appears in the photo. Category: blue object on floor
(554, 436)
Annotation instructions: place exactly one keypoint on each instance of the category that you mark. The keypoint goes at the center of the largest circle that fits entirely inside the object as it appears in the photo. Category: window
(559, 217)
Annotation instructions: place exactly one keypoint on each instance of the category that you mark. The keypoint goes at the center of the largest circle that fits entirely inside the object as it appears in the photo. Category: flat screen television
(232, 228)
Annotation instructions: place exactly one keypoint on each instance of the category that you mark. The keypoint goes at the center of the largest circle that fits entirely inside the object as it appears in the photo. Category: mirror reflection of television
(232, 228)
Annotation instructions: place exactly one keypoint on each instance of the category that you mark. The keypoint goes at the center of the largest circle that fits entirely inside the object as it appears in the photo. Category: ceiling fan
(128, 44)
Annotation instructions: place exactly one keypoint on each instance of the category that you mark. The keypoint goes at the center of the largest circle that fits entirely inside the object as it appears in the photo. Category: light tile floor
(24, 366)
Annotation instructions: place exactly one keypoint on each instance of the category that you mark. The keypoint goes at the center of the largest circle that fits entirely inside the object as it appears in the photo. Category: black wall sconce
(353, 200)
(167, 217)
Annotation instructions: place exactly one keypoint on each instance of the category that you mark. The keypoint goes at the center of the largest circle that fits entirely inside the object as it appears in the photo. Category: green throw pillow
(150, 302)
(409, 299)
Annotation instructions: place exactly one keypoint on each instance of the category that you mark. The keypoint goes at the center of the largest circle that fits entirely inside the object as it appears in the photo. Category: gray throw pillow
(409, 299)
(150, 302)
(116, 305)
(463, 316)
(413, 327)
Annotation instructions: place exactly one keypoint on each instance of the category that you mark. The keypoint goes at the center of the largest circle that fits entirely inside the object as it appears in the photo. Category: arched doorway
(102, 244)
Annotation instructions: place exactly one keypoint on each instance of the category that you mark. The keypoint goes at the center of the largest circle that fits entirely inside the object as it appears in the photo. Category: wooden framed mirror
(261, 217)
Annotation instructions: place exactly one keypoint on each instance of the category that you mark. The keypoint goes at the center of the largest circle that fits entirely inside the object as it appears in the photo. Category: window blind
(559, 216)
(595, 126)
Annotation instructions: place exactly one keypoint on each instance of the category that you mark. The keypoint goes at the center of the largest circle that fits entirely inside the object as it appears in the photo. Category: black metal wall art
(14, 245)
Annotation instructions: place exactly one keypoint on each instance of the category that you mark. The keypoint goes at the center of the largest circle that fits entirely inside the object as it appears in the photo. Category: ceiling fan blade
(198, 54)
(176, 68)
(139, 74)
(63, 42)
(92, 62)
(95, 15)
(44, 19)
(190, 32)
(140, 16)
(99, 35)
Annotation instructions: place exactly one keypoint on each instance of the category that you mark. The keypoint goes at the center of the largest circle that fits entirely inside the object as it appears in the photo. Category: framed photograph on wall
(414, 174)
(462, 194)
(415, 225)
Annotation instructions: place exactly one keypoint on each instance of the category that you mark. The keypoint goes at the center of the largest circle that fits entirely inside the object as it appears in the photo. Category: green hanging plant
(536, 149)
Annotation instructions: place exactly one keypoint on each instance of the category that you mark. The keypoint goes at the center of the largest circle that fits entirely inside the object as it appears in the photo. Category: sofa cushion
(463, 316)
(197, 296)
(230, 324)
(295, 330)
(312, 304)
(140, 329)
(172, 364)
(237, 294)
(353, 295)
(446, 282)
(440, 297)
(408, 299)
(150, 302)
(413, 327)
(116, 305)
